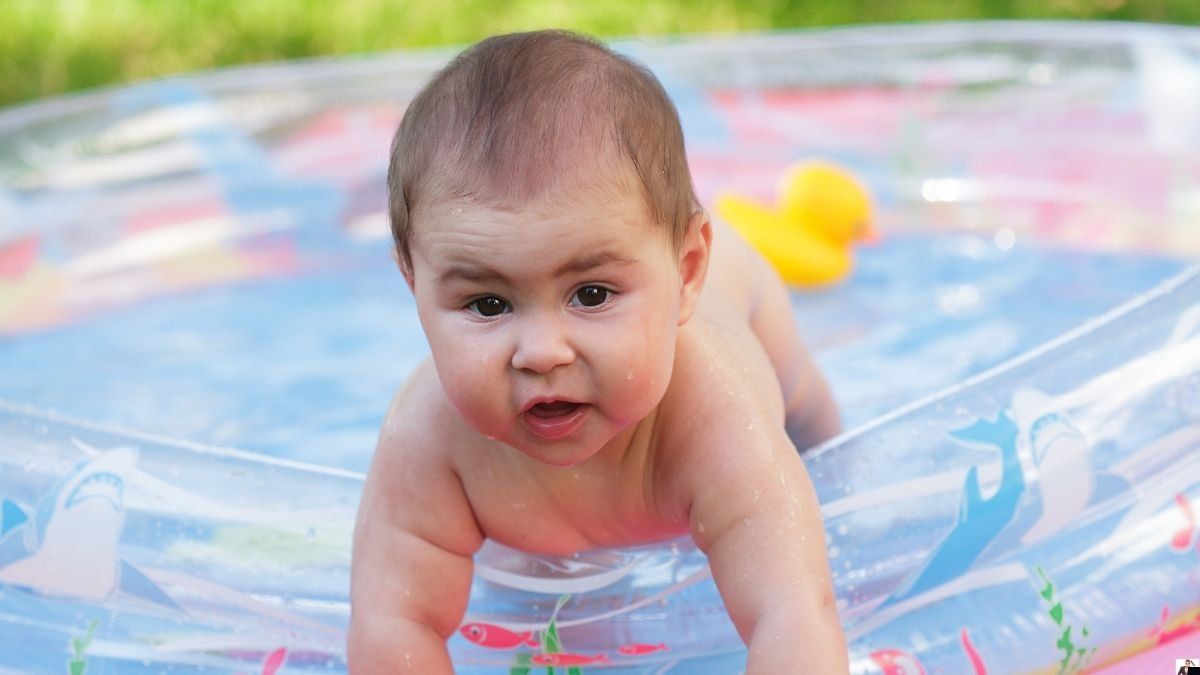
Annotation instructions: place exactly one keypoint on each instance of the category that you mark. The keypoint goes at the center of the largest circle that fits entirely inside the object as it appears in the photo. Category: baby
(545, 220)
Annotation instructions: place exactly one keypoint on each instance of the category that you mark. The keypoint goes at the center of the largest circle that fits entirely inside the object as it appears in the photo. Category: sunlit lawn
(51, 46)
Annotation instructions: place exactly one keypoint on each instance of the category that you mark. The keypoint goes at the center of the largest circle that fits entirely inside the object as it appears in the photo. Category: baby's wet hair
(531, 116)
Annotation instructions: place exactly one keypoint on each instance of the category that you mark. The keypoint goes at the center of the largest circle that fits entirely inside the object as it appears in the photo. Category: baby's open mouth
(554, 420)
(553, 409)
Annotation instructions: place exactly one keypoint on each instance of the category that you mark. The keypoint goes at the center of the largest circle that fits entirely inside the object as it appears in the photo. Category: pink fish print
(566, 659)
(495, 637)
(641, 649)
(896, 662)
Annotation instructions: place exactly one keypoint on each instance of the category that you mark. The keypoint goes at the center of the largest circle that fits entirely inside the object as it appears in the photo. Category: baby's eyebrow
(478, 273)
(470, 273)
(474, 273)
(592, 261)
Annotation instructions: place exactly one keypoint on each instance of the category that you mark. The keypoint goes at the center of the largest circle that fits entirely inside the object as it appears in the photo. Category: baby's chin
(547, 455)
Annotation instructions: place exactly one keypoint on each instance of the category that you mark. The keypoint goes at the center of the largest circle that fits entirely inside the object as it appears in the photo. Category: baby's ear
(693, 263)
(405, 267)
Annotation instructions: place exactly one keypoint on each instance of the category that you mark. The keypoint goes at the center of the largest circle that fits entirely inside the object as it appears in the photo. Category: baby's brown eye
(592, 296)
(489, 306)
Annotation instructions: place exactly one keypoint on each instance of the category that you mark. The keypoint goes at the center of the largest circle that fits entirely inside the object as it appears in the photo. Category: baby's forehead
(616, 220)
(611, 230)
(589, 195)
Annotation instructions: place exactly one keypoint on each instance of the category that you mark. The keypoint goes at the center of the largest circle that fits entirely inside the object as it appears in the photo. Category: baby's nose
(542, 346)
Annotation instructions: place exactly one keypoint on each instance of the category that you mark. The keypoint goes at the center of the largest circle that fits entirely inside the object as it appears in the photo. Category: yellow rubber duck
(821, 209)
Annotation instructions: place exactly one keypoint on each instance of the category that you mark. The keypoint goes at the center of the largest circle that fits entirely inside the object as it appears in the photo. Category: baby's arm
(760, 525)
(413, 547)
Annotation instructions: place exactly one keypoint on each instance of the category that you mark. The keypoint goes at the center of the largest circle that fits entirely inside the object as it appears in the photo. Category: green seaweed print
(1080, 654)
(551, 644)
(77, 665)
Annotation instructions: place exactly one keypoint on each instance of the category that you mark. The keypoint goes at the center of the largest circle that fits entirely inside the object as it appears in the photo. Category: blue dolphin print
(979, 520)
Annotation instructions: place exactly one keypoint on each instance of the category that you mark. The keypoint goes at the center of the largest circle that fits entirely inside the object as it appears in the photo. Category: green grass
(53, 46)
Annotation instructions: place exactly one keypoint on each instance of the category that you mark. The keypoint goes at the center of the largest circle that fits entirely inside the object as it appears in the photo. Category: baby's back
(744, 294)
(735, 275)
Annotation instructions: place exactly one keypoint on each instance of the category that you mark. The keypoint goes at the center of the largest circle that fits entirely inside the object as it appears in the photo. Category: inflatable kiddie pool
(194, 265)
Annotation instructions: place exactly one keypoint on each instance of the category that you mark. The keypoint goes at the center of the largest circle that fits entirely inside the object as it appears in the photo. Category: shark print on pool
(69, 546)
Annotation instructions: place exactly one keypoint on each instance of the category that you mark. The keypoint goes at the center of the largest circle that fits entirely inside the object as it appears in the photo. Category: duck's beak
(867, 234)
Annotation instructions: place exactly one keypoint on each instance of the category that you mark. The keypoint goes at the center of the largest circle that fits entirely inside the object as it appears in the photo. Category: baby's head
(540, 116)
(544, 217)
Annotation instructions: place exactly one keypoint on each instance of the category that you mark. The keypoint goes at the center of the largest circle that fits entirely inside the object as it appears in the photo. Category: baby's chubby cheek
(477, 393)
(637, 385)
(651, 353)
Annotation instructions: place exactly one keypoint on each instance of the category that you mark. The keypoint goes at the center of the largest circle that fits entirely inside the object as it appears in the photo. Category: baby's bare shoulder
(724, 404)
(422, 422)
(721, 369)
(422, 440)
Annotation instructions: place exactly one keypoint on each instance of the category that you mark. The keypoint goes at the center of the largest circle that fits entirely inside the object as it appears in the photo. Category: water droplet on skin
(700, 528)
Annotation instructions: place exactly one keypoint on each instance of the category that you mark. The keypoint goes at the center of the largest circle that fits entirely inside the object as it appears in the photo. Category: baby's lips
(551, 409)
